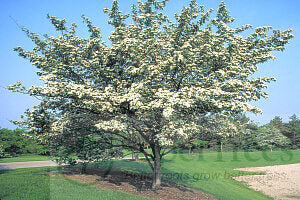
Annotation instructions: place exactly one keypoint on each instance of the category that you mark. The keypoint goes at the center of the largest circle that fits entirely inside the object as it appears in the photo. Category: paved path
(47, 163)
(29, 164)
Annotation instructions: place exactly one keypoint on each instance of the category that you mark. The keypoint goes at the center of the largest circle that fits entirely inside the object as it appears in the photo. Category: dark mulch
(135, 184)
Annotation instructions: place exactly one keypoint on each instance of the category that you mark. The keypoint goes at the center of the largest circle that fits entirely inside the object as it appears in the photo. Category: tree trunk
(83, 168)
(294, 138)
(221, 146)
(136, 156)
(156, 171)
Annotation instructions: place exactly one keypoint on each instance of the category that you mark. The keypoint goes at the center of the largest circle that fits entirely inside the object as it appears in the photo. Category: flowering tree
(155, 85)
(269, 137)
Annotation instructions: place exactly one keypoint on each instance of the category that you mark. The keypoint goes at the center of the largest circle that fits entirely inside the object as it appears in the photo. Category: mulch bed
(135, 184)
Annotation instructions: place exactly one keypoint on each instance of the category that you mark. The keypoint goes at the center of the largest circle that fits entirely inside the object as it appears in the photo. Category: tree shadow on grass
(133, 177)
(3, 171)
(137, 174)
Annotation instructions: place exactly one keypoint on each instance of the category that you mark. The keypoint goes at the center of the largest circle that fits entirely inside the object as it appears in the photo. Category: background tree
(245, 129)
(292, 131)
(3, 154)
(155, 84)
(269, 137)
(244, 140)
(277, 123)
(18, 141)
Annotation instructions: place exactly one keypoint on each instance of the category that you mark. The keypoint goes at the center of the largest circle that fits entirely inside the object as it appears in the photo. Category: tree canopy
(160, 83)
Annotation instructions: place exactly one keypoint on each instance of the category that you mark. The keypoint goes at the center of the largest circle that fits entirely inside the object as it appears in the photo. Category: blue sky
(284, 95)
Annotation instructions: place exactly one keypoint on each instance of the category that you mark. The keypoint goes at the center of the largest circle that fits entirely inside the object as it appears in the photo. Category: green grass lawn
(209, 172)
(25, 158)
(36, 184)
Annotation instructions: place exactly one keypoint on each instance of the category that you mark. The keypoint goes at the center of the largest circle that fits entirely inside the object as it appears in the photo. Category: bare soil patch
(279, 181)
(135, 184)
